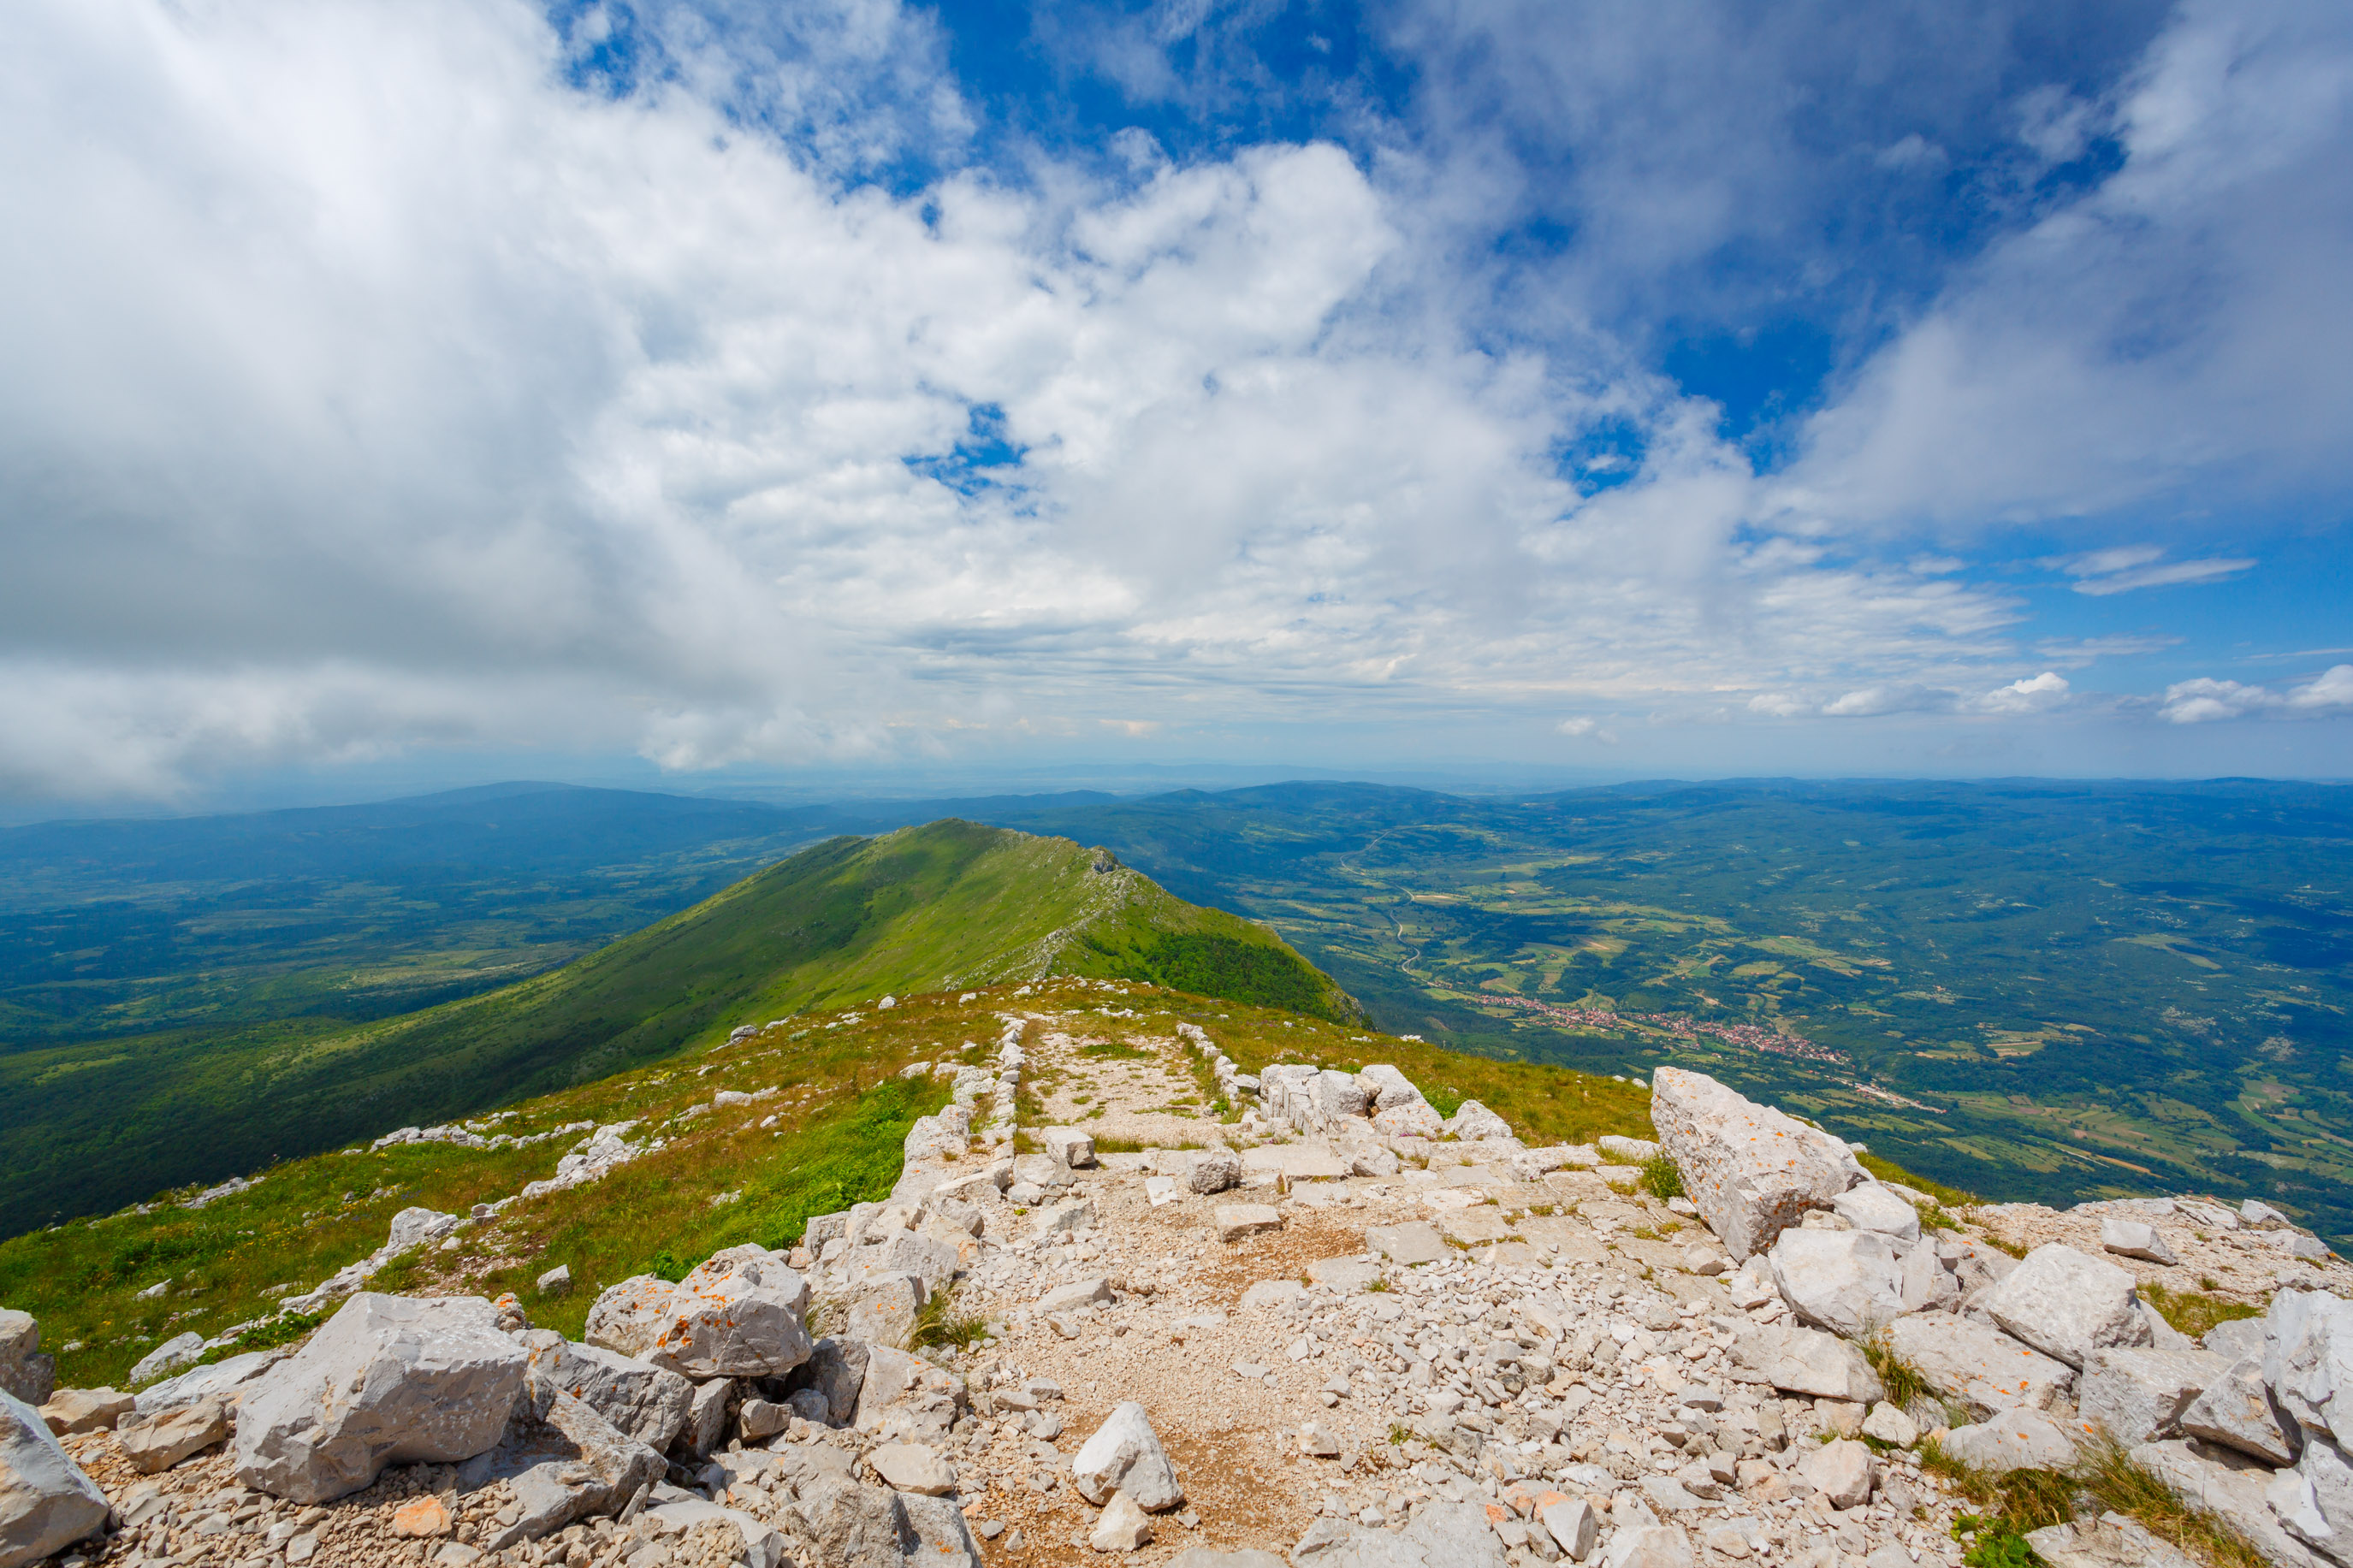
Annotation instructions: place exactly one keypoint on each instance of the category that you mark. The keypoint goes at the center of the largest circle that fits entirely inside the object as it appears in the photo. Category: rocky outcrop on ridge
(1352, 1334)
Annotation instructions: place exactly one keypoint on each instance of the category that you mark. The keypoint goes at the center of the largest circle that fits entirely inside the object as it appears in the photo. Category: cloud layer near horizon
(380, 384)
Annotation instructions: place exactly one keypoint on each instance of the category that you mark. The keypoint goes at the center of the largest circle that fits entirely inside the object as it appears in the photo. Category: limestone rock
(1841, 1472)
(557, 1281)
(1343, 1274)
(844, 1525)
(706, 1416)
(1210, 1170)
(1983, 1368)
(835, 1370)
(46, 1501)
(179, 1351)
(1752, 1171)
(1070, 1148)
(2112, 1542)
(913, 1467)
(737, 1314)
(1807, 1362)
(1649, 1546)
(1125, 1455)
(2013, 1440)
(25, 1372)
(885, 1312)
(1234, 1221)
(2308, 1359)
(759, 1419)
(629, 1315)
(905, 1395)
(1889, 1425)
(942, 1538)
(2234, 1338)
(1442, 1535)
(1847, 1281)
(1872, 1207)
(1077, 1293)
(1417, 1241)
(160, 1444)
(2068, 1305)
(2236, 1411)
(1571, 1523)
(1398, 1108)
(220, 1379)
(2140, 1395)
(1121, 1527)
(1472, 1120)
(388, 1380)
(2236, 1493)
(639, 1399)
(2328, 1486)
(416, 1228)
(72, 1410)
(563, 1462)
(1928, 1286)
(2134, 1239)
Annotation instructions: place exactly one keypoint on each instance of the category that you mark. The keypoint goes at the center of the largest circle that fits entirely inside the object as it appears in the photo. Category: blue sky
(704, 391)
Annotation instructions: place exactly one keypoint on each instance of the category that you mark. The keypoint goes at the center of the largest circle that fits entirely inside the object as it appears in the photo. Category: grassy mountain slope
(949, 904)
(841, 1114)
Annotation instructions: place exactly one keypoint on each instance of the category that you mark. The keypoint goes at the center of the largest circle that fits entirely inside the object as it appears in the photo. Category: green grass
(951, 904)
(1899, 1377)
(2106, 1476)
(2193, 1311)
(1889, 1170)
(1661, 1178)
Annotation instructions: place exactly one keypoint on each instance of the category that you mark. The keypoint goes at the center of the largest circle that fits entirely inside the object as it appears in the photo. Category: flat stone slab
(1417, 1241)
(1475, 1226)
(1234, 1221)
(1349, 1274)
(1300, 1161)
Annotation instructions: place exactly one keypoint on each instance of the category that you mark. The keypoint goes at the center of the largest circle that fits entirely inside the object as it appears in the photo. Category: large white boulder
(1472, 1120)
(2308, 1359)
(1125, 1455)
(2013, 1440)
(1752, 1171)
(739, 1313)
(416, 1228)
(46, 1501)
(2321, 1492)
(562, 1462)
(2140, 1395)
(25, 1372)
(639, 1399)
(1398, 1107)
(903, 1395)
(1807, 1362)
(2236, 1410)
(389, 1380)
(1841, 1472)
(2067, 1305)
(1983, 1368)
(1848, 1281)
(1872, 1206)
(2236, 1492)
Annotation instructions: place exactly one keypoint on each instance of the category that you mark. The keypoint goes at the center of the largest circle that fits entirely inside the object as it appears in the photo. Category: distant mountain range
(2028, 988)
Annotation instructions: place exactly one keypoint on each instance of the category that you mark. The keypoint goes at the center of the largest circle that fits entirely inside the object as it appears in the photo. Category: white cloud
(372, 387)
(2205, 701)
(2034, 694)
(2182, 334)
(2122, 569)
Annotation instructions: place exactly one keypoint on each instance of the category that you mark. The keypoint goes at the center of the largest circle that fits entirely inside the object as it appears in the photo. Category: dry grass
(2193, 1311)
(2106, 1479)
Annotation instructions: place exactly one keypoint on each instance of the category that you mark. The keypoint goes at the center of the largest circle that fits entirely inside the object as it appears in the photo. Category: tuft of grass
(1114, 1050)
(1934, 1217)
(2003, 1244)
(1623, 1189)
(1378, 1285)
(938, 1322)
(1900, 1377)
(1661, 1178)
(1118, 1146)
(2105, 1478)
(2193, 1311)
(1399, 1433)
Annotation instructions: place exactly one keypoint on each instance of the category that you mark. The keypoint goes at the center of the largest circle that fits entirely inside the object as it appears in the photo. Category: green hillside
(948, 905)
(826, 1132)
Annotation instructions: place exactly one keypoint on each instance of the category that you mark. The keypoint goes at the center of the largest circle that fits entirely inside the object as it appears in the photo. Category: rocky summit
(1347, 1332)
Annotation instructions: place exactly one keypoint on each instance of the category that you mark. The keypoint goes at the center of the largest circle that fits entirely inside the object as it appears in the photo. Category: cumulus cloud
(2184, 330)
(388, 375)
(2206, 700)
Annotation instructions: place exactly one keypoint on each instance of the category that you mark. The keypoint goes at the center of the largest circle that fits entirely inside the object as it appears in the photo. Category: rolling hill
(843, 922)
